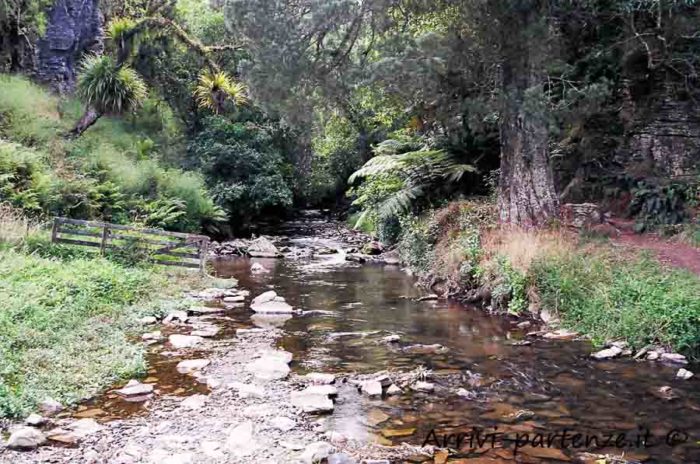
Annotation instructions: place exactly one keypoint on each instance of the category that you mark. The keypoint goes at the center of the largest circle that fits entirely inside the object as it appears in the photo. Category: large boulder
(581, 215)
(263, 248)
(26, 438)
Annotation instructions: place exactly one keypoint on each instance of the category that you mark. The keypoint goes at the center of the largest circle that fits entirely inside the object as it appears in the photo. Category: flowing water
(521, 387)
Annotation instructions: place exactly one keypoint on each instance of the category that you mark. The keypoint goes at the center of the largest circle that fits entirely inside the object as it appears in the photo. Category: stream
(511, 384)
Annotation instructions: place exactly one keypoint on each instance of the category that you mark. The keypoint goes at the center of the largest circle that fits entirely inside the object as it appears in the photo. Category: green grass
(635, 299)
(66, 325)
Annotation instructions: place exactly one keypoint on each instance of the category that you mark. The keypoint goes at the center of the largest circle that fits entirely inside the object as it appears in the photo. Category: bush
(610, 297)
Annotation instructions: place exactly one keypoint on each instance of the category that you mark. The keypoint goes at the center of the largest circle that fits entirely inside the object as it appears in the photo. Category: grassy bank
(122, 170)
(602, 291)
(66, 324)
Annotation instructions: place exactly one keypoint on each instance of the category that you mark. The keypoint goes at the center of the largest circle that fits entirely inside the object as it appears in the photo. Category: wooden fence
(159, 246)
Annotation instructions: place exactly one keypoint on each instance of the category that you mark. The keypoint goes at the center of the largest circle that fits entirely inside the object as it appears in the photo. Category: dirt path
(248, 416)
(669, 252)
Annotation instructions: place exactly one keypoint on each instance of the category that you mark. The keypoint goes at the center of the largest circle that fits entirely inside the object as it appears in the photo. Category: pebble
(607, 353)
(423, 386)
(50, 407)
(135, 388)
(319, 378)
(184, 341)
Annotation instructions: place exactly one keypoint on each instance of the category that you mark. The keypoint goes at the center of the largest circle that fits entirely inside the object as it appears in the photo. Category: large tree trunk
(89, 117)
(527, 195)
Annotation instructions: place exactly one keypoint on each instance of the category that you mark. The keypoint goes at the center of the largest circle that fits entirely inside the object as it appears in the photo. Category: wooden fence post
(54, 230)
(103, 241)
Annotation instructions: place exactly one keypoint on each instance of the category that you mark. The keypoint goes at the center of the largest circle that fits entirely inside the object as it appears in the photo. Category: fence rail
(160, 246)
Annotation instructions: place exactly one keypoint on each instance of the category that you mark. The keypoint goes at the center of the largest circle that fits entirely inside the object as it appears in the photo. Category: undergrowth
(66, 328)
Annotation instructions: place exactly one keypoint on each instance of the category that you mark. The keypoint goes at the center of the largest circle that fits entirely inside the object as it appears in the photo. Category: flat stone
(135, 388)
(194, 402)
(392, 338)
(206, 309)
(50, 407)
(241, 441)
(561, 334)
(684, 374)
(234, 299)
(393, 390)
(272, 307)
(285, 424)
(206, 332)
(376, 417)
(607, 353)
(184, 341)
(674, 358)
(157, 335)
(372, 388)
(246, 390)
(423, 386)
(146, 320)
(35, 420)
(426, 349)
(26, 438)
(311, 402)
(319, 378)
(264, 297)
(340, 458)
(269, 368)
(270, 321)
(316, 452)
(190, 365)
(257, 268)
(328, 390)
(175, 315)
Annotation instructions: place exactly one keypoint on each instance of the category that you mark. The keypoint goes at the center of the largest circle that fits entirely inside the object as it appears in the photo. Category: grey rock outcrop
(74, 28)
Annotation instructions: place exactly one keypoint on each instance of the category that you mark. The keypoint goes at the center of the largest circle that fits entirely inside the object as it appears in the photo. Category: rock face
(74, 28)
(668, 143)
(581, 215)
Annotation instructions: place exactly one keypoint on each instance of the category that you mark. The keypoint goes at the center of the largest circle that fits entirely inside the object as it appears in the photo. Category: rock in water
(373, 248)
(135, 388)
(184, 341)
(26, 438)
(270, 295)
(684, 374)
(190, 365)
(272, 307)
(372, 388)
(674, 358)
(607, 353)
(263, 248)
(257, 268)
(393, 390)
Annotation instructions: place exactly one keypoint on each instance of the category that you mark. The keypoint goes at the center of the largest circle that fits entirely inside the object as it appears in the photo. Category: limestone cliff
(74, 28)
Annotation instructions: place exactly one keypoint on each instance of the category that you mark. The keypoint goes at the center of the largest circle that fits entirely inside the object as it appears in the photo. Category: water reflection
(542, 387)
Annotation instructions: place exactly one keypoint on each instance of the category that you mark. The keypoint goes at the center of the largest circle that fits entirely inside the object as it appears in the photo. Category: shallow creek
(514, 384)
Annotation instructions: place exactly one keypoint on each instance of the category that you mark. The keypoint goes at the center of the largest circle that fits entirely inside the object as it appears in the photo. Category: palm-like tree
(214, 89)
(106, 88)
(109, 86)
